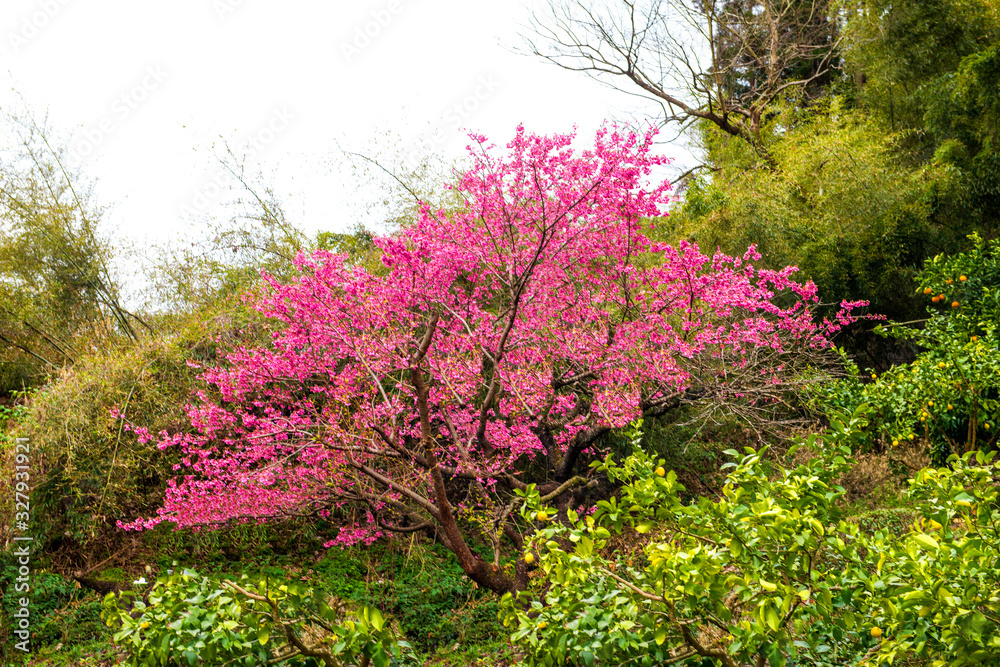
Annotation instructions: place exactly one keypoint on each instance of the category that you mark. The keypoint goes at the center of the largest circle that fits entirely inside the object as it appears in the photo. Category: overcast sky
(142, 90)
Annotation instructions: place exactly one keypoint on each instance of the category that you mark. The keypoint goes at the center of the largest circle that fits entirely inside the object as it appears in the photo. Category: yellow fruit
(930, 403)
(962, 278)
(942, 365)
(895, 443)
(911, 436)
(529, 559)
(144, 625)
(660, 471)
(542, 516)
(876, 632)
(542, 625)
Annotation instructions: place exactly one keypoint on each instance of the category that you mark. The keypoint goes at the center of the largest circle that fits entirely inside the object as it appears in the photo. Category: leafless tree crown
(723, 61)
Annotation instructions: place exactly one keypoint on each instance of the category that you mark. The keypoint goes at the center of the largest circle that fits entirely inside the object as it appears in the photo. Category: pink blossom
(537, 317)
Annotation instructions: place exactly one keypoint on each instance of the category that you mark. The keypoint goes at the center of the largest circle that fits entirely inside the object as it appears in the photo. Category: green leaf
(772, 618)
(925, 540)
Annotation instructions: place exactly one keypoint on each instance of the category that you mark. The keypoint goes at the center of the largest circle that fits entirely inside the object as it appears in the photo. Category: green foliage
(901, 45)
(90, 468)
(61, 613)
(771, 570)
(734, 579)
(938, 593)
(359, 246)
(344, 573)
(435, 604)
(838, 204)
(198, 620)
(867, 179)
(57, 294)
(950, 393)
(965, 105)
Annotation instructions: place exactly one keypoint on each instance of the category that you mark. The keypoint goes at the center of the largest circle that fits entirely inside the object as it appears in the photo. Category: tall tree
(720, 61)
(898, 47)
(500, 345)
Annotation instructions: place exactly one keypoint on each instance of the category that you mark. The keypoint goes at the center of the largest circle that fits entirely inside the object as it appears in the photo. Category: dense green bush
(94, 428)
(62, 614)
(771, 571)
(189, 619)
(950, 394)
(435, 604)
(840, 205)
(90, 468)
(738, 579)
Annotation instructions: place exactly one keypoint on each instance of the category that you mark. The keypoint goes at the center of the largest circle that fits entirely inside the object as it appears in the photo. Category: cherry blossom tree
(497, 347)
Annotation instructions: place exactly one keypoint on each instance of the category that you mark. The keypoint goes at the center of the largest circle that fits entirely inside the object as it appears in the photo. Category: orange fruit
(954, 304)
(962, 278)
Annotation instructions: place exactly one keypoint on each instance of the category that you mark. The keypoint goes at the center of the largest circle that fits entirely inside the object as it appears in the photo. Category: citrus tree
(938, 595)
(192, 619)
(741, 580)
(768, 574)
(950, 392)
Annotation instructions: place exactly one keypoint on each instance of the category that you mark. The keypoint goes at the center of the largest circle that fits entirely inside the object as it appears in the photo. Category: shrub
(949, 394)
(737, 580)
(191, 619)
(771, 571)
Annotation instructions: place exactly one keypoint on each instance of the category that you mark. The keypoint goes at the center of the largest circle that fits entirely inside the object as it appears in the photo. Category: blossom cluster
(536, 311)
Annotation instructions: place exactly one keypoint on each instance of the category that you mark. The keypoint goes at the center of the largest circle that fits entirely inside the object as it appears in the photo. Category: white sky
(143, 90)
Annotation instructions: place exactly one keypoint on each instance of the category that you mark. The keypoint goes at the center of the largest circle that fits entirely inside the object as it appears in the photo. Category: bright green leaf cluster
(189, 619)
(770, 571)
(950, 392)
(732, 579)
(941, 597)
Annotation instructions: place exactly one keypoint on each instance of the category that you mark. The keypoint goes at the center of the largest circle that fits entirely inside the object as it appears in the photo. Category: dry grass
(877, 476)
